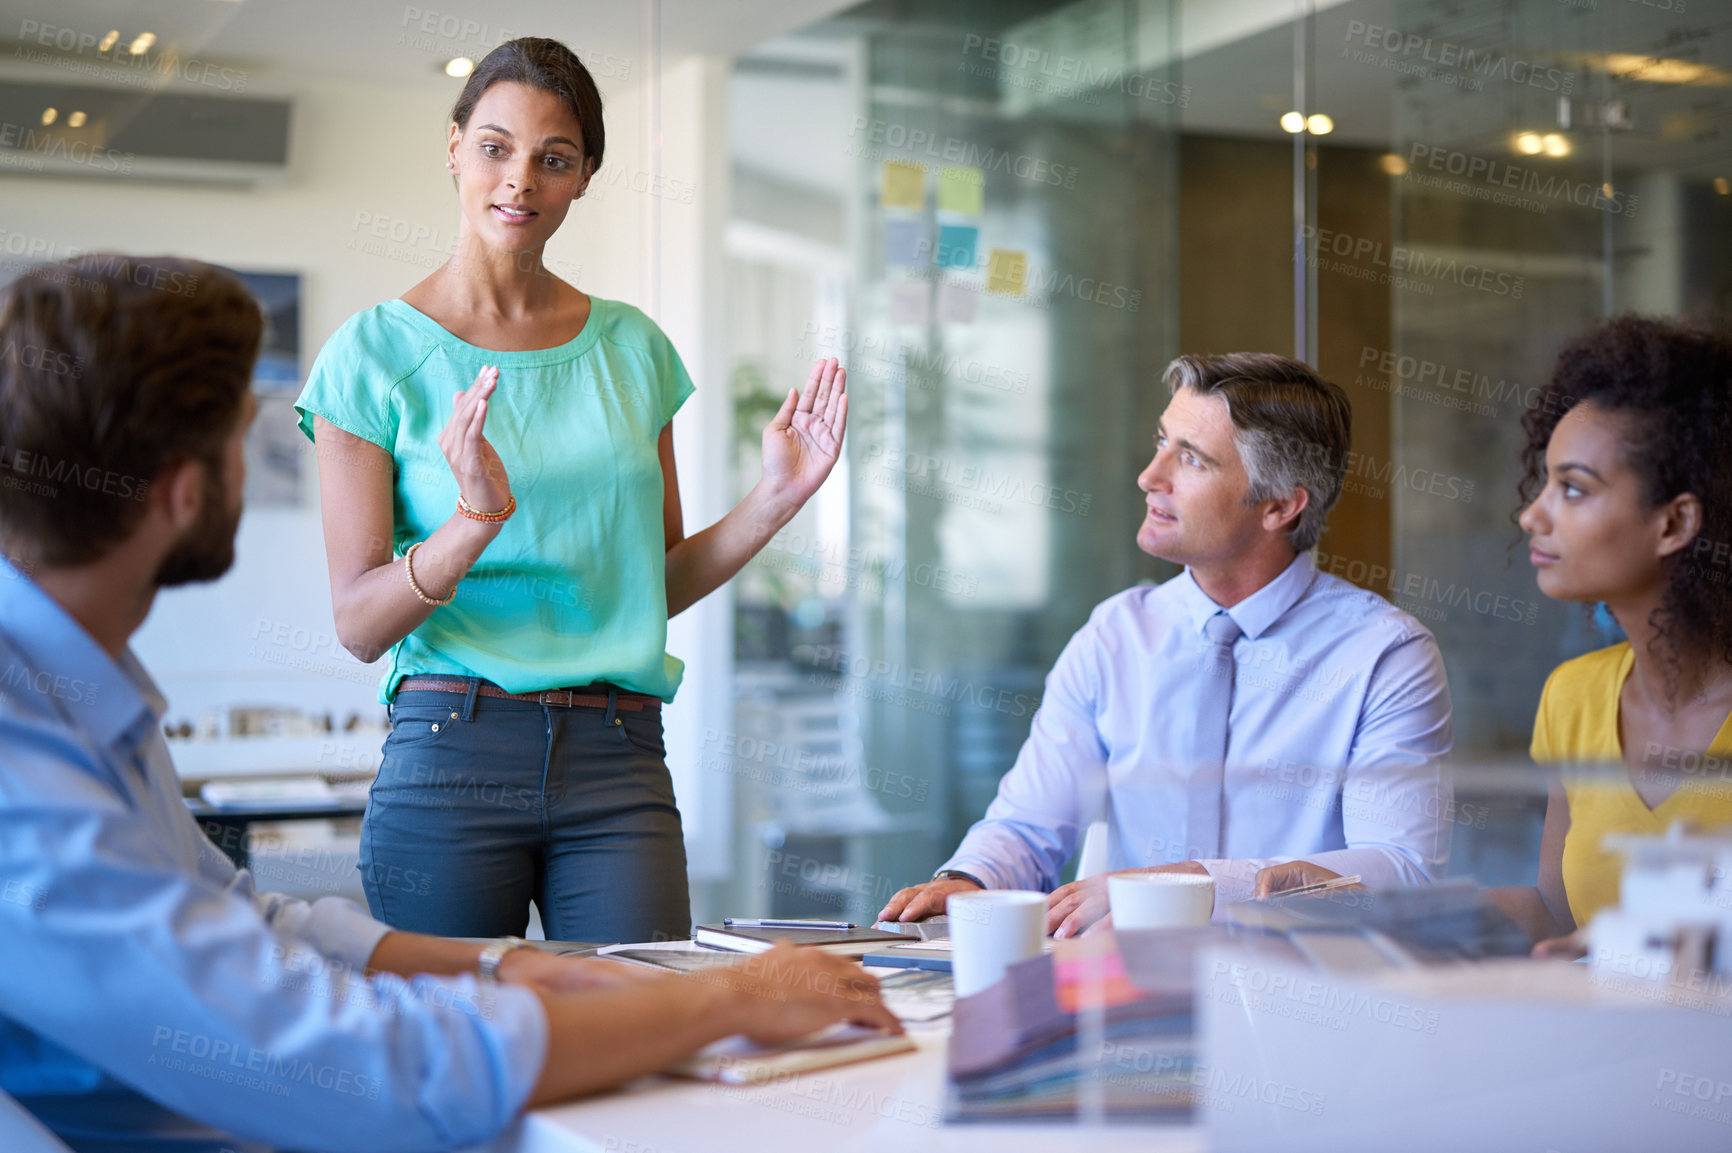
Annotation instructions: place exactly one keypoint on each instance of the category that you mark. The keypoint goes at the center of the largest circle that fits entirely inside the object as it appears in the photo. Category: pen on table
(775, 923)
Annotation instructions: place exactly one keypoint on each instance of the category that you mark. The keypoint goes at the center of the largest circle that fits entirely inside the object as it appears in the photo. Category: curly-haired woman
(502, 515)
(1628, 492)
(1627, 502)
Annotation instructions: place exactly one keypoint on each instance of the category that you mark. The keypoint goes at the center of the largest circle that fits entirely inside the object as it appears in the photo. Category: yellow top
(1578, 721)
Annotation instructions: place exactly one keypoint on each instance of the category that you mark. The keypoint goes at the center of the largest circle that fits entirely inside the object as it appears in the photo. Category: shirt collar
(1257, 613)
(109, 700)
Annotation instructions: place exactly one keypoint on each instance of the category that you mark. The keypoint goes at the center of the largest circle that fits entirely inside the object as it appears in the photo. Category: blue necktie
(1203, 839)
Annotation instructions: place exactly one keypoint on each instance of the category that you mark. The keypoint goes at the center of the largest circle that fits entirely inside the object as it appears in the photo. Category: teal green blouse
(573, 590)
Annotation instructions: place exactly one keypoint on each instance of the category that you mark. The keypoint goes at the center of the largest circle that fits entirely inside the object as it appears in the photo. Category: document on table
(918, 996)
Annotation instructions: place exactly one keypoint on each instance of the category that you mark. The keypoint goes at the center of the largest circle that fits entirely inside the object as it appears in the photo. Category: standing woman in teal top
(502, 518)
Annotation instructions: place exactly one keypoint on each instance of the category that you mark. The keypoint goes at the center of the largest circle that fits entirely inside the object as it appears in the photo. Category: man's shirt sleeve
(1055, 789)
(1397, 801)
(188, 991)
(335, 927)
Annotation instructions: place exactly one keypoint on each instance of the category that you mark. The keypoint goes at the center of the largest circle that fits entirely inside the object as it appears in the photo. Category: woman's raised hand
(802, 443)
(479, 471)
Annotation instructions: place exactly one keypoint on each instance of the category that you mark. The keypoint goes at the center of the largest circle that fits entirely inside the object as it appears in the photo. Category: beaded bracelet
(472, 513)
(409, 571)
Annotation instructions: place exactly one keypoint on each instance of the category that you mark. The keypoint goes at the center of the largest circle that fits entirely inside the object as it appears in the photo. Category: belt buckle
(548, 697)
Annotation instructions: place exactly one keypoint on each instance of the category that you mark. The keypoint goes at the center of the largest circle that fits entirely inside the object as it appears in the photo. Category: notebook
(750, 939)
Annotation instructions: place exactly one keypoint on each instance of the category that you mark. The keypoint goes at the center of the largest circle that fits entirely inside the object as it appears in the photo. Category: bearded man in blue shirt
(1251, 710)
(149, 997)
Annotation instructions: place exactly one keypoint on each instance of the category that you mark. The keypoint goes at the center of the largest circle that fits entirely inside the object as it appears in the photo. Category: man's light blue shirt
(1337, 735)
(147, 992)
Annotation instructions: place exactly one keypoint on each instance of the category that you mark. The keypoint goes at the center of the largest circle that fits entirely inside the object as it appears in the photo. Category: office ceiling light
(1529, 143)
(76, 120)
(459, 67)
(1661, 69)
(50, 115)
(1393, 164)
(108, 41)
(1293, 122)
(141, 43)
(1319, 125)
(1555, 144)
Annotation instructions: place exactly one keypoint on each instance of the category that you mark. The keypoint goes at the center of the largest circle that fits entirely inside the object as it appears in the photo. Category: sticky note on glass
(1007, 271)
(907, 242)
(904, 185)
(956, 244)
(961, 190)
(909, 301)
(956, 302)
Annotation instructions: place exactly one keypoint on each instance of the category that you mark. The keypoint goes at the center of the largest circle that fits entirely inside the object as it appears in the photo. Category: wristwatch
(488, 964)
(958, 875)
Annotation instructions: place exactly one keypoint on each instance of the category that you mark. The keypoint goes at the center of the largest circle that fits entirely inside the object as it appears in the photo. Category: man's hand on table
(1081, 906)
(918, 902)
(789, 992)
(1292, 875)
(600, 1037)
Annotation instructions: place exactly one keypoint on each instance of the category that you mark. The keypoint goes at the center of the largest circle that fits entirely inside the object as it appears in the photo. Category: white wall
(369, 210)
(688, 303)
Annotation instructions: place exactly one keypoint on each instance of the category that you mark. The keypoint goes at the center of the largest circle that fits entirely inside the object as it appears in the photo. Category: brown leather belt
(579, 698)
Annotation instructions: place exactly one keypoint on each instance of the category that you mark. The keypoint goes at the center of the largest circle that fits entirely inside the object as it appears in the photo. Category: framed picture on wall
(275, 445)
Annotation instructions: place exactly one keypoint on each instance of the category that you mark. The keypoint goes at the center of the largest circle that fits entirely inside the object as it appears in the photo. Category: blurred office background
(1005, 217)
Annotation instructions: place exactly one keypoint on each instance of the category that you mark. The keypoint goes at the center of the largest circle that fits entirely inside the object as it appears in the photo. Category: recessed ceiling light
(141, 43)
(1529, 144)
(1393, 164)
(76, 120)
(459, 67)
(1319, 125)
(1293, 121)
(50, 115)
(1555, 144)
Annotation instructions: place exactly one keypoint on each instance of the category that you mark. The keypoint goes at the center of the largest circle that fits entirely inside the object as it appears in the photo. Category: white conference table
(889, 1105)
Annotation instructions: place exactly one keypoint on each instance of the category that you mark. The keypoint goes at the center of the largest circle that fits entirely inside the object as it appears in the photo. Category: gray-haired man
(1247, 712)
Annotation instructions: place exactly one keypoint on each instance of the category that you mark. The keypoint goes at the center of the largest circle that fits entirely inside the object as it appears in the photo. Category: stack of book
(1100, 1029)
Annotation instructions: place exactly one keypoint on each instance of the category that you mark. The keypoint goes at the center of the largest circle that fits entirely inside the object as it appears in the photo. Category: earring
(450, 167)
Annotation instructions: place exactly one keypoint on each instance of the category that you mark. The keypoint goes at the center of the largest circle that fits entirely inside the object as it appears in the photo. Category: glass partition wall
(1005, 218)
(972, 205)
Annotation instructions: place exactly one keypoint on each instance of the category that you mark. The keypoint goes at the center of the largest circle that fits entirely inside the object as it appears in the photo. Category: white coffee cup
(1160, 900)
(990, 930)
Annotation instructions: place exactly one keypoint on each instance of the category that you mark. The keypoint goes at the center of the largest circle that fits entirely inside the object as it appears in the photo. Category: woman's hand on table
(804, 441)
(1570, 948)
(479, 471)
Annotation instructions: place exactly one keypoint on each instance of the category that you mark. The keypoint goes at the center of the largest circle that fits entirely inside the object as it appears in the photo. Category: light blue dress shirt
(147, 992)
(1337, 736)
